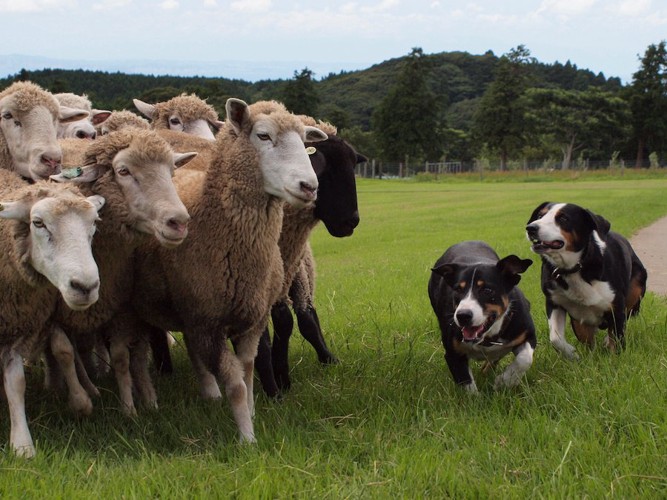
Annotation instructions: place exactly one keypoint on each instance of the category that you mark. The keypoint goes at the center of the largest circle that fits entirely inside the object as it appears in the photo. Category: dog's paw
(507, 379)
(568, 351)
(471, 388)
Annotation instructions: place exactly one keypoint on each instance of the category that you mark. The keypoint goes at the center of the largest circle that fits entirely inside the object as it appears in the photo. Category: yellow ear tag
(310, 150)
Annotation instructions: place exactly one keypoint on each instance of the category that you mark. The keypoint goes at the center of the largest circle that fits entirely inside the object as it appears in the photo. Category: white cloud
(34, 5)
(632, 8)
(111, 4)
(210, 3)
(566, 8)
(169, 4)
(251, 6)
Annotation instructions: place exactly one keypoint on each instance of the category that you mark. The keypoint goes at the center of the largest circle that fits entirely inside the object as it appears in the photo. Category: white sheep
(46, 253)
(221, 282)
(28, 117)
(184, 113)
(119, 120)
(133, 170)
(85, 127)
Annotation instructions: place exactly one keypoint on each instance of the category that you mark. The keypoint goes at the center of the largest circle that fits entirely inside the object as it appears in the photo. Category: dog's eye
(562, 218)
(486, 291)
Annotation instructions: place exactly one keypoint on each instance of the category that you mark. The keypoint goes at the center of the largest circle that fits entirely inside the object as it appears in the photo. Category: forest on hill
(429, 107)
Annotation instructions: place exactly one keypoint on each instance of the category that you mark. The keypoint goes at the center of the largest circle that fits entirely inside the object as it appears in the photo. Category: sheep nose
(80, 134)
(83, 288)
(53, 164)
(308, 190)
(179, 226)
(464, 317)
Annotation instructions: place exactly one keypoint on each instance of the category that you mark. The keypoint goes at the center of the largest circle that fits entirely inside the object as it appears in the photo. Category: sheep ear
(100, 116)
(148, 110)
(314, 134)
(216, 124)
(79, 175)
(67, 115)
(237, 113)
(97, 201)
(17, 210)
(181, 159)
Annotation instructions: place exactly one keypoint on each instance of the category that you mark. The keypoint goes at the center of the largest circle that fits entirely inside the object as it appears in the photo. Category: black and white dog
(588, 272)
(481, 312)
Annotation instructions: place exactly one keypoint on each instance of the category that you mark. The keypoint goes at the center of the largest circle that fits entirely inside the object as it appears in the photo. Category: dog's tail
(637, 286)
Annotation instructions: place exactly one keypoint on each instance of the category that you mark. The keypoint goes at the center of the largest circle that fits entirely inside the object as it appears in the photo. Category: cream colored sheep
(85, 127)
(221, 282)
(119, 120)
(47, 254)
(184, 113)
(28, 116)
(133, 170)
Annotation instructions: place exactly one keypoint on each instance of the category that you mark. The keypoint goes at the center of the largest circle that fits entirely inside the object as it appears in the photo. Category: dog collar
(496, 339)
(558, 272)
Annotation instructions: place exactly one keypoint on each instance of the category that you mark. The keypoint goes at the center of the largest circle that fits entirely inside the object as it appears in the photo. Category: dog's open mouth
(475, 333)
(543, 246)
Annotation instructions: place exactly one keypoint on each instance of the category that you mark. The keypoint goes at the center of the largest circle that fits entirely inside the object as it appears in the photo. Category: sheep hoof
(81, 406)
(27, 451)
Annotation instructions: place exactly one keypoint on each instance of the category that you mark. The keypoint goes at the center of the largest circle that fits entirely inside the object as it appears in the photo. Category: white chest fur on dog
(585, 302)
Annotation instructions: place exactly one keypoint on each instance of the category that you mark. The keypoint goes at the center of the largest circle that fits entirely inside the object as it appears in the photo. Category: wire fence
(392, 170)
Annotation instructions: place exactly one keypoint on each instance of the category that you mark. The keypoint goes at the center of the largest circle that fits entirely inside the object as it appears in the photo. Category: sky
(269, 39)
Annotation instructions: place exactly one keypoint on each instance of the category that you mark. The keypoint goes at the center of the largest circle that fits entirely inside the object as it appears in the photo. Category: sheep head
(278, 138)
(28, 119)
(54, 233)
(140, 165)
(183, 113)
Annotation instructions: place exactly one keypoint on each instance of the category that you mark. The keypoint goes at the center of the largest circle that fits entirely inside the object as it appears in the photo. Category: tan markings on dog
(634, 294)
(571, 239)
(495, 308)
(519, 340)
(460, 347)
(543, 211)
(480, 283)
(585, 333)
(462, 285)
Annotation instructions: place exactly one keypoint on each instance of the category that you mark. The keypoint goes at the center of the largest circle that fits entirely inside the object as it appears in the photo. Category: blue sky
(275, 38)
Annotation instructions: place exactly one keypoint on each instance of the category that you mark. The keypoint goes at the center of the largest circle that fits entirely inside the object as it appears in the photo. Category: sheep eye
(123, 171)
(264, 137)
(38, 223)
(174, 121)
(7, 115)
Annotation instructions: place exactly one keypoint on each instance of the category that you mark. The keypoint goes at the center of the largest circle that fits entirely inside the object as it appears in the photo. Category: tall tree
(300, 95)
(591, 120)
(407, 122)
(499, 118)
(648, 101)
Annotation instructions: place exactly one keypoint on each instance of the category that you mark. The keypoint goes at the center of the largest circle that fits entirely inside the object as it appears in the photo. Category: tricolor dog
(588, 272)
(481, 312)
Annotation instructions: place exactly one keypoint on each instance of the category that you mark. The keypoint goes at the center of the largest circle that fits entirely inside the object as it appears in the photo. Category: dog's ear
(448, 272)
(600, 224)
(536, 212)
(511, 268)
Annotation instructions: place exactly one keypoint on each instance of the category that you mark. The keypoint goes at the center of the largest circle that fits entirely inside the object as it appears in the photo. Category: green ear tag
(310, 150)
(71, 173)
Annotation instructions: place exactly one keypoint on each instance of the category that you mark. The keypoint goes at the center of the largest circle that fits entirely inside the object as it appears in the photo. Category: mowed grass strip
(388, 421)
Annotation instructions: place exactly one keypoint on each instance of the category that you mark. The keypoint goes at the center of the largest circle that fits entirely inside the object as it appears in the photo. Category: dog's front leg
(523, 360)
(458, 365)
(557, 318)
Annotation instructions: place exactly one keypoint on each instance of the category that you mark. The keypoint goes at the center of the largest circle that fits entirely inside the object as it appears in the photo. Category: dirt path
(650, 243)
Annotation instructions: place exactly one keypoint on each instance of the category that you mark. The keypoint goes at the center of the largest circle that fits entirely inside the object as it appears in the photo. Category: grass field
(388, 421)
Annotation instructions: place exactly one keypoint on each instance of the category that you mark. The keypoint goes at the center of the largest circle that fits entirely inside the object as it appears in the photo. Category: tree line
(440, 107)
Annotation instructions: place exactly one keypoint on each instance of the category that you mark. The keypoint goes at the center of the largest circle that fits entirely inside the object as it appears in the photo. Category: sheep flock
(119, 229)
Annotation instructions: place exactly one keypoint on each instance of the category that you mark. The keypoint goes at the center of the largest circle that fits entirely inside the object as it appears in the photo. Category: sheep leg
(208, 385)
(140, 374)
(159, 342)
(82, 374)
(264, 366)
(53, 376)
(14, 382)
(309, 326)
(101, 352)
(63, 352)
(232, 374)
(120, 362)
(246, 352)
(283, 324)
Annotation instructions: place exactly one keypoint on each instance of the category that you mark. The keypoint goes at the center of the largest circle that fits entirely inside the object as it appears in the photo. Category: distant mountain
(347, 98)
(241, 70)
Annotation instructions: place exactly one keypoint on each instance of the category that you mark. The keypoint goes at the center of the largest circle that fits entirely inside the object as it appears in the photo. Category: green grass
(388, 420)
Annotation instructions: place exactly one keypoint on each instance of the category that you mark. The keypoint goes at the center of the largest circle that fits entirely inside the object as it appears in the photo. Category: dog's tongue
(471, 332)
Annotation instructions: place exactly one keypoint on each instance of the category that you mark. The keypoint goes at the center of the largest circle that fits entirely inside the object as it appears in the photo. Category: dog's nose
(531, 230)
(464, 317)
